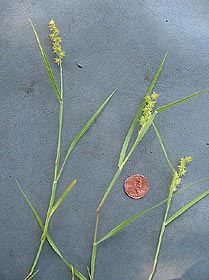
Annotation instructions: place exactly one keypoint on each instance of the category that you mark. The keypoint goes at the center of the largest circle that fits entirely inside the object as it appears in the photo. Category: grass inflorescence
(145, 115)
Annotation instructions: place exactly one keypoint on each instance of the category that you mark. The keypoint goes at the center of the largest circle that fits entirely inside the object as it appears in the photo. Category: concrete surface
(119, 44)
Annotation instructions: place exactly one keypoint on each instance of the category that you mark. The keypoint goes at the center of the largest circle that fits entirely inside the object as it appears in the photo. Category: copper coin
(136, 186)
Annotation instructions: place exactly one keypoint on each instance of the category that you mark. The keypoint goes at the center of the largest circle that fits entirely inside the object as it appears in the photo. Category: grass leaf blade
(128, 221)
(186, 207)
(136, 118)
(31, 206)
(62, 197)
(47, 65)
(168, 106)
(84, 129)
(156, 75)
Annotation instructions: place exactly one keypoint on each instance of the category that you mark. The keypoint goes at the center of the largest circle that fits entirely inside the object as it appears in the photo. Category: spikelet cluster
(56, 42)
(182, 165)
(150, 101)
(181, 170)
(176, 181)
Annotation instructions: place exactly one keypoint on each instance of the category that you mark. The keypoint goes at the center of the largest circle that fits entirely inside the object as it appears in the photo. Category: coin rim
(139, 176)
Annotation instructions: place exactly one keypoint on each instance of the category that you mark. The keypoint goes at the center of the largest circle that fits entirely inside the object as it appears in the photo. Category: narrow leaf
(83, 131)
(62, 197)
(156, 75)
(50, 240)
(128, 221)
(136, 118)
(47, 65)
(168, 106)
(163, 147)
(186, 207)
(31, 206)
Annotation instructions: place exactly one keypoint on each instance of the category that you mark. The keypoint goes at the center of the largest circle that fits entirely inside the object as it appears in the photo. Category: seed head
(176, 181)
(150, 101)
(182, 165)
(180, 172)
(56, 42)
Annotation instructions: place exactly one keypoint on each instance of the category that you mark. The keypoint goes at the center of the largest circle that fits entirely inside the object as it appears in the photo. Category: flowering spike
(182, 165)
(56, 42)
(150, 101)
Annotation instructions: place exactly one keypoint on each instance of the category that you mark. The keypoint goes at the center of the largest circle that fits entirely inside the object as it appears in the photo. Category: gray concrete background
(119, 44)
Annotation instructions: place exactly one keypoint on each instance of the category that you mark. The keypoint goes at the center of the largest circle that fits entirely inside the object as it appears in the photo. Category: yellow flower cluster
(56, 42)
(181, 171)
(176, 181)
(182, 165)
(150, 101)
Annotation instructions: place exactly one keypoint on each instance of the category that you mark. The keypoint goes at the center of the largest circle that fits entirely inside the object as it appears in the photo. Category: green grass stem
(163, 227)
(56, 168)
(112, 183)
(54, 185)
(171, 192)
(94, 247)
(73, 275)
(93, 259)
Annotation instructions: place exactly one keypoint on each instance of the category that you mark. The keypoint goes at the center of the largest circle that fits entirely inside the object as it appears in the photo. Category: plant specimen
(145, 117)
(58, 168)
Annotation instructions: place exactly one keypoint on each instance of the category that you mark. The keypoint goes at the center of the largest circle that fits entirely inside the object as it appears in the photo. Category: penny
(136, 186)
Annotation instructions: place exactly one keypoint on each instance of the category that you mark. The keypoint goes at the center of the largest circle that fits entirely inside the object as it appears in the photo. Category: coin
(136, 186)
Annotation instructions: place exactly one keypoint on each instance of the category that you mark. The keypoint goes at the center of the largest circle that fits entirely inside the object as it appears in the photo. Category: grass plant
(145, 117)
